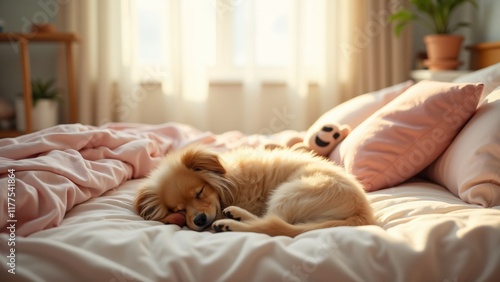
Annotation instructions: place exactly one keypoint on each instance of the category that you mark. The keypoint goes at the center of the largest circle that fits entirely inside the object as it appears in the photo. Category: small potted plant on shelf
(45, 105)
(443, 47)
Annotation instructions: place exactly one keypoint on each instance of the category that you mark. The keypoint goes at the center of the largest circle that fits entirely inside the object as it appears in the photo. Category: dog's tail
(275, 226)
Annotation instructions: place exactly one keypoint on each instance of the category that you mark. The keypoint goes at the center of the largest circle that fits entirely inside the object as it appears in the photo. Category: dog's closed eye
(198, 195)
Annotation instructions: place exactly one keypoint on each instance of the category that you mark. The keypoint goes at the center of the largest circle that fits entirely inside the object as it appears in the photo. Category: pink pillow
(355, 110)
(406, 135)
(470, 167)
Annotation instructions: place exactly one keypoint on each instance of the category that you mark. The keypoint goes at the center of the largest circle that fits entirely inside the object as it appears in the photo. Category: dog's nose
(200, 220)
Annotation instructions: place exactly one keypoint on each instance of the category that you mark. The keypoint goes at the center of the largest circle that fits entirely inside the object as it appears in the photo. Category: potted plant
(45, 105)
(443, 47)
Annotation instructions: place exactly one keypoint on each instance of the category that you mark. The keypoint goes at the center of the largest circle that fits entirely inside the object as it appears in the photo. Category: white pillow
(470, 167)
(489, 76)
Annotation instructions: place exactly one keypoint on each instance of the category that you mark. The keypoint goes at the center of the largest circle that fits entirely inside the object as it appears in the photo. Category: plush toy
(324, 138)
(321, 139)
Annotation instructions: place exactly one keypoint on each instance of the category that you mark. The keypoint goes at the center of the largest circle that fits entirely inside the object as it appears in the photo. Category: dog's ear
(148, 204)
(200, 159)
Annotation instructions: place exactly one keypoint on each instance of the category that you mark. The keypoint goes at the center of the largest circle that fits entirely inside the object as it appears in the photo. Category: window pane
(151, 20)
(272, 19)
(240, 22)
(314, 17)
(210, 34)
(272, 32)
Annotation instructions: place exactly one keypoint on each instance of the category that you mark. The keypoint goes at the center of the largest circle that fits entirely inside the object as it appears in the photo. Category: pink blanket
(53, 170)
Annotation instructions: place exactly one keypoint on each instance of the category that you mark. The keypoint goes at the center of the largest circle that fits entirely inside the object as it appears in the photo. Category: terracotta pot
(43, 28)
(443, 51)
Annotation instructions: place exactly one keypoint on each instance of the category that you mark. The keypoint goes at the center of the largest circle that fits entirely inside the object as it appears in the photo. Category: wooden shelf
(23, 39)
(44, 37)
(484, 54)
(10, 133)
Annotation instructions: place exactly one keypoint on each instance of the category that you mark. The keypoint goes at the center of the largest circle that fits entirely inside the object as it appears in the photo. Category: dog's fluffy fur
(276, 192)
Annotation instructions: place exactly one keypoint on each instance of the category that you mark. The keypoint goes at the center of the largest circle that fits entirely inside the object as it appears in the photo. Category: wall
(18, 16)
(226, 108)
(486, 20)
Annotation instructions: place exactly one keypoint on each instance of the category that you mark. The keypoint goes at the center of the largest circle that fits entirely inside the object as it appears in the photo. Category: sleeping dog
(276, 192)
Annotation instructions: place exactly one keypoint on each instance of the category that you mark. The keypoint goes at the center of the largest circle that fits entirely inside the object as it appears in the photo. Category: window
(262, 34)
(271, 29)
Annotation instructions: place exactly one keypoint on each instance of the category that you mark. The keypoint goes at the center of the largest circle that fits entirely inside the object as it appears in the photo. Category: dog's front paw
(232, 212)
(222, 225)
(237, 213)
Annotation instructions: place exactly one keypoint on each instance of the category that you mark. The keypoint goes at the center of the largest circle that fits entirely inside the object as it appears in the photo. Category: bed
(67, 194)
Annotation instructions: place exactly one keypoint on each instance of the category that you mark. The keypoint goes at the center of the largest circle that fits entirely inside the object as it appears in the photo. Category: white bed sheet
(425, 233)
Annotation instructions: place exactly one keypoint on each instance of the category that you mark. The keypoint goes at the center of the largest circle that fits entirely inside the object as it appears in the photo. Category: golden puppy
(276, 192)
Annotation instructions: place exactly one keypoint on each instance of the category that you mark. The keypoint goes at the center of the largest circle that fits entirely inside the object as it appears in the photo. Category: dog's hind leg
(275, 226)
(313, 201)
(320, 198)
(270, 225)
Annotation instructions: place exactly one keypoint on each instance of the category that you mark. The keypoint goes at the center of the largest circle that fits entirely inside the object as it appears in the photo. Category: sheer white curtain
(305, 20)
(113, 84)
(334, 51)
(103, 55)
(361, 52)
(354, 51)
(188, 35)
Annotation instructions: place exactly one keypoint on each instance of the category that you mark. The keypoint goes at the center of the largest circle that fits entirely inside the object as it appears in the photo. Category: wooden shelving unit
(22, 40)
(484, 54)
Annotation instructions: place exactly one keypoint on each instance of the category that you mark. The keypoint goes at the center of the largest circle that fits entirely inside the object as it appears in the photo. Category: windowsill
(239, 82)
(227, 82)
(444, 76)
(222, 82)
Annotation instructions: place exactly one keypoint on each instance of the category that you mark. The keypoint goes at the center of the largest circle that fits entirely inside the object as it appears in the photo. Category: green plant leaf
(423, 5)
(473, 3)
(401, 19)
(433, 14)
(399, 28)
(401, 15)
(459, 26)
(41, 89)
